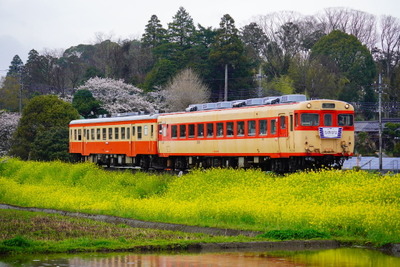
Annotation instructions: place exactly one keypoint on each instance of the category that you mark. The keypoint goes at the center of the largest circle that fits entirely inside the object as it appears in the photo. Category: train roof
(116, 119)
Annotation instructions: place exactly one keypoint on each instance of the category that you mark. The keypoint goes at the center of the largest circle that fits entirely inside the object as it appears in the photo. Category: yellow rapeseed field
(346, 204)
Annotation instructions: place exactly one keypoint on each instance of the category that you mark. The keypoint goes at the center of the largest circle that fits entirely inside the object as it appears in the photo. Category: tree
(16, 68)
(117, 96)
(8, 125)
(51, 144)
(182, 30)
(186, 88)
(86, 104)
(154, 34)
(41, 114)
(228, 53)
(353, 60)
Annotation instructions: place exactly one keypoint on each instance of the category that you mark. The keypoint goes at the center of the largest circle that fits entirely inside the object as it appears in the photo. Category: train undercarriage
(184, 163)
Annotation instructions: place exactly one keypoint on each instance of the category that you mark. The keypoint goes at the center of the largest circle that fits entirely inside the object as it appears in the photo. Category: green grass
(36, 232)
(346, 205)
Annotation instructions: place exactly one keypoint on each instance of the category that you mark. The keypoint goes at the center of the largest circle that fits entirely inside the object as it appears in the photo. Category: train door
(282, 132)
(291, 132)
(132, 141)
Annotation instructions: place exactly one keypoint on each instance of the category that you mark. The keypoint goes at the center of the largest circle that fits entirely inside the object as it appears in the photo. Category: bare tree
(185, 88)
(358, 23)
(390, 42)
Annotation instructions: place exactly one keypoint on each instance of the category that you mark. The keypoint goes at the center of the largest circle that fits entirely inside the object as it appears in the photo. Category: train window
(133, 130)
(145, 130)
(110, 133)
(123, 136)
(87, 135)
(182, 131)
(92, 134)
(240, 128)
(251, 128)
(75, 135)
(174, 131)
(98, 134)
(291, 123)
(104, 133)
(200, 130)
(151, 131)
(345, 120)
(220, 129)
(191, 130)
(165, 129)
(210, 129)
(139, 132)
(273, 126)
(79, 134)
(263, 127)
(282, 121)
(328, 119)
(309, 119)
(229, 129)
(116, 132)
(128, 133)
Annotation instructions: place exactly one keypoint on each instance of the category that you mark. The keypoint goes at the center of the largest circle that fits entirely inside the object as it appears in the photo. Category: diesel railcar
(281, 134)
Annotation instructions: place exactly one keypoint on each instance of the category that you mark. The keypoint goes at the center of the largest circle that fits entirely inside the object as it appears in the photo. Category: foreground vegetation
(35, 232)
(345, 205)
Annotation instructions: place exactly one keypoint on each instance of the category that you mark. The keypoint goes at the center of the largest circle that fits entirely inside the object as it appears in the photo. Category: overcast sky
(60, 24)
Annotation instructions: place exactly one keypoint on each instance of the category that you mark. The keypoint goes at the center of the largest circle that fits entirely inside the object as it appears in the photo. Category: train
(280, 134)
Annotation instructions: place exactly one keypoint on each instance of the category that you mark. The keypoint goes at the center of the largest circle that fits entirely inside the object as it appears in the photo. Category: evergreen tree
(16, 67)
(182, 30)
(154, 34)
(41, 114)
(228, 51)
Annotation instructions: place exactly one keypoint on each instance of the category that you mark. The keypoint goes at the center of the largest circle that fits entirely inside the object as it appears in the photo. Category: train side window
(98, 134)
(123, 135)
(75, 134)
(240, 128)
(328, 119)
(309, 119)
(263, 127)
(128, 132)
(139, 132)
(210, 129)
(110, 133)
(92, 134)
(229, 129)
(251, 128)
(152, 131)
(282, 120)
(116, 133)
(273, 126)
(200, 130)
(345, 120)
(182, 131)
(174, 131)
(145, 130)
(220, 129)
(79, 135)
(191, 130)
(104, 134)
(133, 131)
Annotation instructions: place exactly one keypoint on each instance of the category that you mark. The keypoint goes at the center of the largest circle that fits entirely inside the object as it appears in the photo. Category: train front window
(328, 119)
(345, 120)
(309, 119)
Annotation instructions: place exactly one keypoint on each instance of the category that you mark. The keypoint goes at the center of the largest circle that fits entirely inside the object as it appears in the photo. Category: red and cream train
(281, 134)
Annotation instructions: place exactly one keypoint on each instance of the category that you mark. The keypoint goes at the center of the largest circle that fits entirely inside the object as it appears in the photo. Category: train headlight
(347, 106)
(309, 105)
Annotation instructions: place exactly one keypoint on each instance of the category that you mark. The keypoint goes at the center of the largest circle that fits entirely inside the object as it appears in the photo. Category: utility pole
(380, 121)
(226, 83)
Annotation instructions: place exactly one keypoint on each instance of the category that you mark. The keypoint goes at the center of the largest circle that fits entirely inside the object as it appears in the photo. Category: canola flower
(345, 204)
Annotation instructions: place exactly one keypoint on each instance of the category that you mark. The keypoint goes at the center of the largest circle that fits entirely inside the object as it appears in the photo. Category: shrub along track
(253, 246)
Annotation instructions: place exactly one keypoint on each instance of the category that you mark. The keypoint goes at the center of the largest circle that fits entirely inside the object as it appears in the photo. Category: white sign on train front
(330, 132)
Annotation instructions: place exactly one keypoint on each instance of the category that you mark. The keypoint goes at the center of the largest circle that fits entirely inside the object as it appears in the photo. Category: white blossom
(8, 125)
(117, 96)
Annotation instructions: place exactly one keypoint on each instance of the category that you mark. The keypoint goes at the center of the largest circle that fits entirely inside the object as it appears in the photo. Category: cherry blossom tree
(117, 96)
(8, 125)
